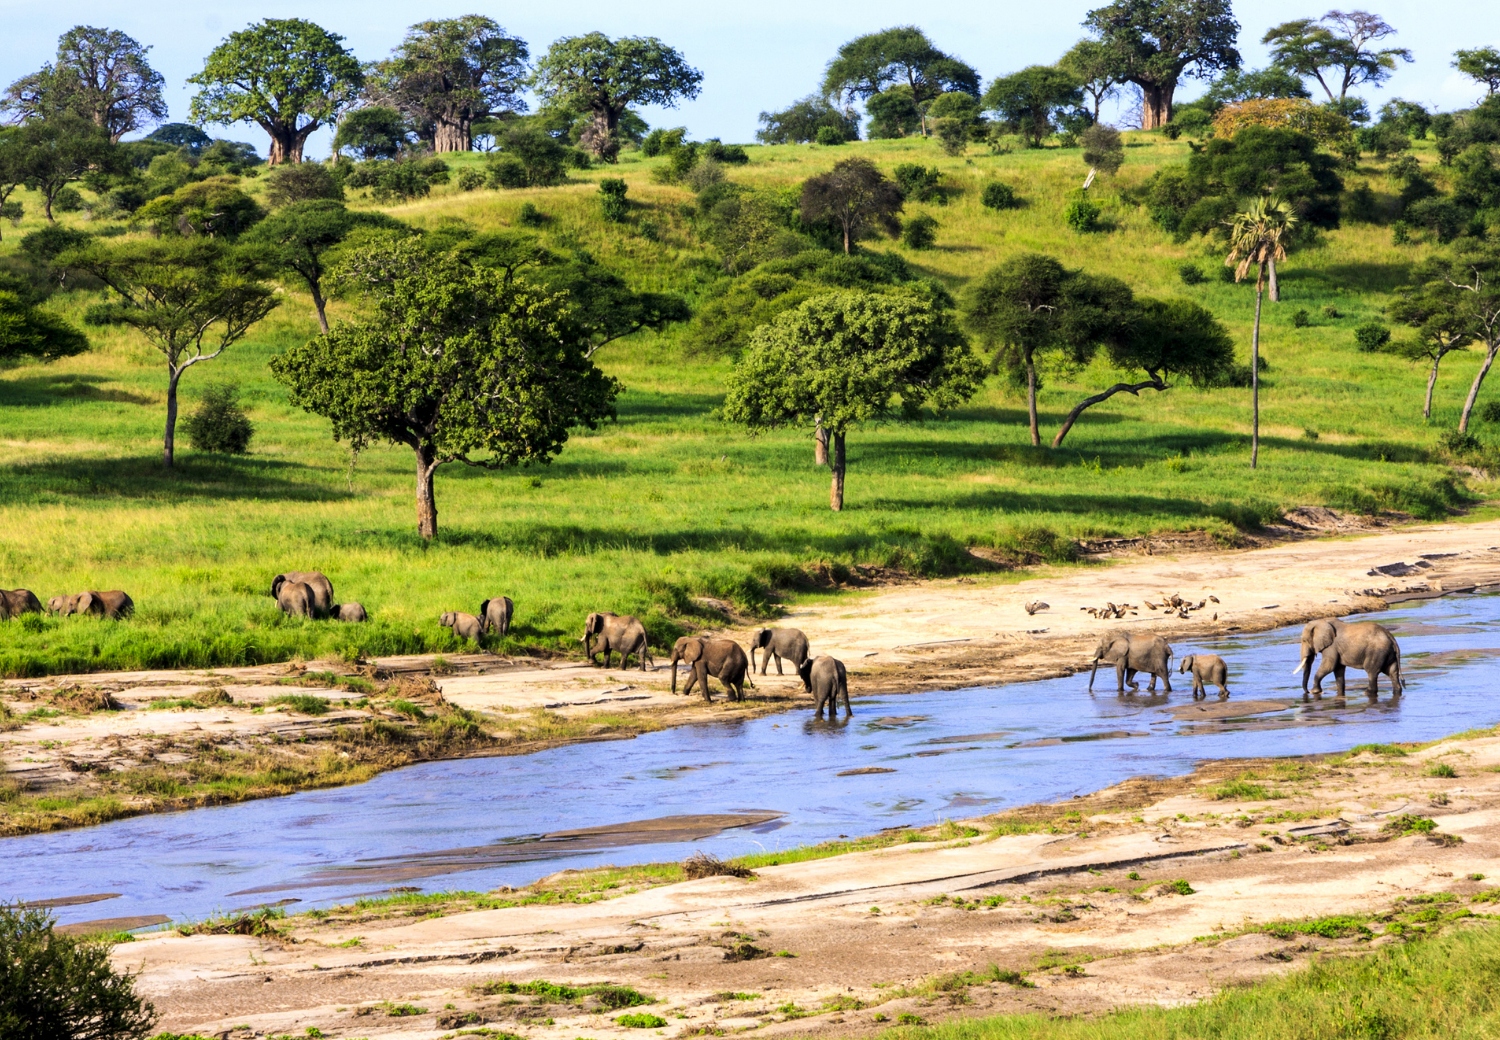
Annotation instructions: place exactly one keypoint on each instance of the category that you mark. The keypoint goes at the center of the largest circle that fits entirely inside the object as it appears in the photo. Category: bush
(641, 1020)
(220, 424)
(612, 204)
(829, 136)
(1490, 411)
(299, 182)
(13, 212)
(530, 158)
(61, 988)
(399, 179)
(67, 201)
(1372, 337)
(920, 232)
(1301, 319)
(1191, 274)
(998, 195)
(918, 183)
(530, 216)
(470, 180)
(719, 152)
(1082, 215)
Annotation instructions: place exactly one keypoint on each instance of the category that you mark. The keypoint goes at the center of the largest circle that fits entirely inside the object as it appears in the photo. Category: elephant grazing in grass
(316, 581)
(113, 604)
(1130, 654)
(296, 598)
(465, 626)
(496, 613)
(1206, 668)
(62, 606)
(724, 659)
(353, 612)
(614, 633)
(789, 643)
(1343, 644)
(826, 679)
(15, 602)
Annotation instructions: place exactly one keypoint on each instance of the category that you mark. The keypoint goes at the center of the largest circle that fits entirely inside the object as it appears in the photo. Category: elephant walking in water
(1130, 654)
(826, 679)
(1360, 644)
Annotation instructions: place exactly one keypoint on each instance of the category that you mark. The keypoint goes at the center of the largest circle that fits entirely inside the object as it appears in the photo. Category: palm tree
(1260, 235)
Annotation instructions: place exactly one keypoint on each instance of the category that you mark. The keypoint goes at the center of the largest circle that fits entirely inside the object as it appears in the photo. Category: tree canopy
(100, 74)
(1097, 71)
(286, 75)
(447, 73)
(26, 331)
(52, 153)
(867, 65)
(802, 122)
(855, 196)
(1028, 102)
(1481, 64)
(1336, 50)
(1157, 42)
(373, 132)
(595, 76)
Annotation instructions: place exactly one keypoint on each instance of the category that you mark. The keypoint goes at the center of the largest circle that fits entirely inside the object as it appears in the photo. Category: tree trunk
(426, 499)
(320, 304)
(1156, 104)
(169, 440)
(1036, 435)
(820, 445)
(286, 142)
(1431, 382)
(452, 135)
(1089, 402)
(845, 223)
(836, 488)
(1484, 370)
(1275, 290)
(1255, 381)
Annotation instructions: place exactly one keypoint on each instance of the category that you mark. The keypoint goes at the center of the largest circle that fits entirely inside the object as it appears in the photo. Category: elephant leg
(1392, 671)
(700, 669)
(1325, 668)
(1131, 680)
(778, 664)
(1338, 677)
(1372, 690)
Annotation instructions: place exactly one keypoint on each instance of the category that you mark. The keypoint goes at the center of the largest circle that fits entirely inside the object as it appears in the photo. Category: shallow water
(920, 758)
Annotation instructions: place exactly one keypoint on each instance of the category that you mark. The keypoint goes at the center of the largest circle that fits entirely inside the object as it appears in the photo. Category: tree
(868, 64)
(376, 132)
(602, 78)
(1157, 42)
(1434, 307)
(177, 293)
(800, 123)
(846, 358)
(1163, 338)
(53, 153)
(286, 75)
(12, 165)
(215, 208)
(100, 74)
(1258, 237)
(450, 72)
(181, 135)
(856, 196)
(1482, 64)
(1464, 285)
(61, 988)
(1238, 85)
(1028, 102)
(893, 112)
(28, 332)
(1096, 70)
(1335, 50)
(1103, 149)
(454, 362)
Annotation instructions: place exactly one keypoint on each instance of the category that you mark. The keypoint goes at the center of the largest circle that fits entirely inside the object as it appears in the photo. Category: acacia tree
(450, 72)
(1336, 50)
(101, 74)
(867, 64)
(1027, 102)
(50, 154)
(286, 75)
(847, 358)
(1258, 237)
(191, 299)
(1096, 70)
(28, 332)
(455, 362)
(1158, 42)
(1162, 338)
(857, 197)
(602, 78)
(1434, 309)
(1482, 64)
(1469, 282)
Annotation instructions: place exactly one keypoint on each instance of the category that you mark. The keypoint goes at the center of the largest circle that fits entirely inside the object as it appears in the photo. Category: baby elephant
(349, 612)
(62, 605)
(496, 613)
(465, 626)
(1206, 668)
(789, 643)
(826, 679)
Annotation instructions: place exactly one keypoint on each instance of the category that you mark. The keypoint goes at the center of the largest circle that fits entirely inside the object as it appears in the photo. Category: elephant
(62, 606)
(465, 626)
(722, 658)
(113, 604)
(1206, 668)
(1360, 644)
(1130, 654)
(623, 634)
(296, 598)
(496, 614)
(826, 678)
(350, 612)
(778, 643)
(15, 602)
(322, 589)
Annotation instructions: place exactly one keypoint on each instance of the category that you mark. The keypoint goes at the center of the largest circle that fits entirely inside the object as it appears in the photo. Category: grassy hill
(668, 503)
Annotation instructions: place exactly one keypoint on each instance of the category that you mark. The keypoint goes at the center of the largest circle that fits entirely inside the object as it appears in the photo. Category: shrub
(69, 200)
(530, 158)
(1301, 319)
(62, 988)
(1490, 411)
(828, 136)
(1443, 770)
(530, 216)
(612, 204)
(920, 232)
(1191, 274)
(1082, 215)
(703, 864)
(303, 703)
(918, 183)
(220, 424)
(299, 182)
(470, 180)
(998, 195)
(1372, 337)
(1400, 233)
(399, 179)
(641, 1020)
(719, 152)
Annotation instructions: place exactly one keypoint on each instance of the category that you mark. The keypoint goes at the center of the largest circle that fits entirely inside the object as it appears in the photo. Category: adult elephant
(1130, 654)
(724, 659)
(789, 643)
(296, 598)
(826, 679)
(605, 632)
(1344, 644)
(113, 604)
(496, 613)
(15, 602)
(322, 589)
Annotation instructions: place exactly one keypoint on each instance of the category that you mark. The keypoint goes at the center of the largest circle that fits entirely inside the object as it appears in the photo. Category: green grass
(669, 504)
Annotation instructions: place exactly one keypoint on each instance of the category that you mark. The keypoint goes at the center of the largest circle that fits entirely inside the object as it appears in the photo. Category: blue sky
(755, 56)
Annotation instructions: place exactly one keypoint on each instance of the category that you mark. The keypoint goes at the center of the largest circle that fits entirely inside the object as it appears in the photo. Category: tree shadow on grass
(49, 390)
(1368, 277)
(196, 476)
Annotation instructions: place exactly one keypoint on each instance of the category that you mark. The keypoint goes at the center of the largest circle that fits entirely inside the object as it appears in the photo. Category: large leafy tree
(455, 362)
(1433, 306)
(1097, 71)
(1462, 290)
(843, 359)
(52, 153)
(1030, 306)
(1259, 236)
(857, 197)
(1028, 102)
(191, 299)
(601, 78)
(1336, 50)
(448, 73)
(286, 75)
(1481, 64)
(867, 65)
(101, 74)
(1158, 42)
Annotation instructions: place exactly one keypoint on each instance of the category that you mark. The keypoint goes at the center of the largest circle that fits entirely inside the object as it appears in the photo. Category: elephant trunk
(1093, 673)
(1305, 666)
(674, 673)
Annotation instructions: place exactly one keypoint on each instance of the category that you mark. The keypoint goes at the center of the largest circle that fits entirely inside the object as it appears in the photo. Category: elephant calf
(826, 679)
(62, 606)
(789, 643)
(317, 583)
(724, 659)
(350, 612)
(496, 614)
(465, 626)
(605, 632)
(1130, 654)
(296, 598)
(1206, 668)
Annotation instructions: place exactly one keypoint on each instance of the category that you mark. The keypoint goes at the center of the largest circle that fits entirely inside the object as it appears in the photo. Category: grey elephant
(62, 606)
(1130, 654)
(1344, 644)
(496, 613)
(296, 598)
(352, 612)
(724, 659)
(789, 643)
(113, 604)
(465, 626)
(317, 581)
(1206, 668)
(613, 633)
(826, 679)
(15, 602)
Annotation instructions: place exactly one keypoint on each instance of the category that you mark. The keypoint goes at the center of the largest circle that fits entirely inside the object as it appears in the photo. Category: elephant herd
(113, 604)
(1343, 644)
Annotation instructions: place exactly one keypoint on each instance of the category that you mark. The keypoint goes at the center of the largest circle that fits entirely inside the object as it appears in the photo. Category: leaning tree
(1155, 43)
(1434, 307)
(100, 74)
(847, 358)
(454, 361)
(286, 75)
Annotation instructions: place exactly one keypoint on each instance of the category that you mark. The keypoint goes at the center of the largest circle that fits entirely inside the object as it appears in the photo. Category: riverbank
(84, 749)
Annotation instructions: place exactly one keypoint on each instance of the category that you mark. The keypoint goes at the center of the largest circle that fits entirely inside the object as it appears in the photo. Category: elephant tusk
(1300, 662)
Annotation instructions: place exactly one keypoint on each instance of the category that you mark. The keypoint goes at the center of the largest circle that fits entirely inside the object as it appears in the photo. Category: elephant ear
(1323, 634)
(484, 608)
